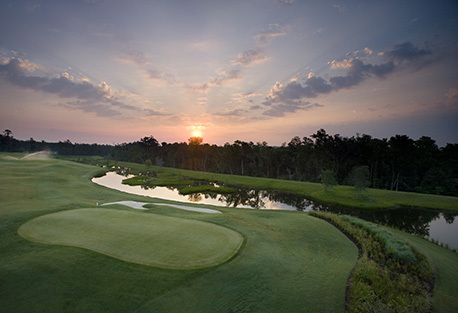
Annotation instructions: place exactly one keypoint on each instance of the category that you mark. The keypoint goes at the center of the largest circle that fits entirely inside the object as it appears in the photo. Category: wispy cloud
(234, 112)
(136, 57)
(141, 61)
(452, 97)
(251, 56)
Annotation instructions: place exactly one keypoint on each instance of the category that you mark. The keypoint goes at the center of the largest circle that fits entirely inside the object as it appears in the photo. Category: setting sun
(196, 133)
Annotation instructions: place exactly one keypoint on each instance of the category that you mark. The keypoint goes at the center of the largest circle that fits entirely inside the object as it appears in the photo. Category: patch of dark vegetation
(390, 276)
(206, 189)
(161, 179)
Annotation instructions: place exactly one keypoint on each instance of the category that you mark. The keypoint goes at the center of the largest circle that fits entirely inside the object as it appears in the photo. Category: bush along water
(390, 276)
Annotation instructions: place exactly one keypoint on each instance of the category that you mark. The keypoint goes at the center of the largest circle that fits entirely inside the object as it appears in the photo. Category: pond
(441, 226)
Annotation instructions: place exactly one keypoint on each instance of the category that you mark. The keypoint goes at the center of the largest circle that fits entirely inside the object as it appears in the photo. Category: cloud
(89, 98)
(241, 97)
(452, 96)
(136, 57)
(139, 59)
(251, 56)
(274, 30)
(24, 64)
(222, 77)
(294, 91)
(89, 107)
(284, 3)
(151, 112)
(235, 112)
(340, 8)
(292, 97)
(292, 107)
(225, 75)
(407, 52)
(160, 75)
(202, 88)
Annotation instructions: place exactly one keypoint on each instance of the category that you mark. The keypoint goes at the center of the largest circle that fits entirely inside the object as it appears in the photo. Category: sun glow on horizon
(197, 133)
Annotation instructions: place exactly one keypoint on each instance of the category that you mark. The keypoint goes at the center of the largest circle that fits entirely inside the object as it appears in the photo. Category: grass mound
(147, 239)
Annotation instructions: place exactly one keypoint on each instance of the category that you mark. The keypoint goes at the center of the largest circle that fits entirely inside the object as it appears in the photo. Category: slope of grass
(339, 195)
(290, 262)
(445, 262)
(136, 237)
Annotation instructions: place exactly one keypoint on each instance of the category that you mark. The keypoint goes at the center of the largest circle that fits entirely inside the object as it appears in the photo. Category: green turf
(445, 262)
(147, 239)
(290, 262)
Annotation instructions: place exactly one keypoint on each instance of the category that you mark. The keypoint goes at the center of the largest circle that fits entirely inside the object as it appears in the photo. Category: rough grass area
(290, 262)
(339, 195)
(147, 239)
(445, 262)
(391, 276)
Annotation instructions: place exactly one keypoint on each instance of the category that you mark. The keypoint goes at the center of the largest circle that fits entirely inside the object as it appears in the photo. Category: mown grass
(339, 195)
(136, 237)
(391, 276)
(290, 262)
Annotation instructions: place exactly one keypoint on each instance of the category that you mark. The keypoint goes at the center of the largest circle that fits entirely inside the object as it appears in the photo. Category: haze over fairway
(112, 72)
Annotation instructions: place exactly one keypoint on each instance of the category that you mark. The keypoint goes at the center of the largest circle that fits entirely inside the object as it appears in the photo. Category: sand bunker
(140, 206)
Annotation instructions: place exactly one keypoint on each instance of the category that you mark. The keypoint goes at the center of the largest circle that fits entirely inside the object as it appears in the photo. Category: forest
(399, 163)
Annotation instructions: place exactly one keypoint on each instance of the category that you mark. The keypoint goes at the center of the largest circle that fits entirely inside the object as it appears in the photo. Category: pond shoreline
(435, 225)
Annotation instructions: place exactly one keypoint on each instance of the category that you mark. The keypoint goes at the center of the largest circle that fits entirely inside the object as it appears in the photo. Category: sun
(196, 133)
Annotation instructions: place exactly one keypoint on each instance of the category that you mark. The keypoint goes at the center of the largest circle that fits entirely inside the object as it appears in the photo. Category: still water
(434, 224)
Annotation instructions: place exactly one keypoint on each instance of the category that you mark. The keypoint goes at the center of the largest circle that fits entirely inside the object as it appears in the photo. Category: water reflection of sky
(440, 226)
(114, 181)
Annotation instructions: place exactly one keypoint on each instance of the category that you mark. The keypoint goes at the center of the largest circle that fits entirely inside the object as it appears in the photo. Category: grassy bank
(339, 195)
(290, 262)
(391, 276)
(445, 263)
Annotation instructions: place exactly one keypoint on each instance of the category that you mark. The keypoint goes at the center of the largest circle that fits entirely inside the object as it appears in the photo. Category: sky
(112, 71)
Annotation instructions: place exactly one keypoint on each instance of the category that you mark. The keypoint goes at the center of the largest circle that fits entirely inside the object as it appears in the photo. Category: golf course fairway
(289, 261)
(147, 239)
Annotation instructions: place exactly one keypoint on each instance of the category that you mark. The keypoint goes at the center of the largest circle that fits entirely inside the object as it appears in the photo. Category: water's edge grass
(345, 196)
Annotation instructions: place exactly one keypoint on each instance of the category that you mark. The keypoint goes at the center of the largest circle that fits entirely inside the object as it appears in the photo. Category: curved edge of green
(136, 237)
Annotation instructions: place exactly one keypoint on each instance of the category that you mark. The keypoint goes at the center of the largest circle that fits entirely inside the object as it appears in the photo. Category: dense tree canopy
(399, 163)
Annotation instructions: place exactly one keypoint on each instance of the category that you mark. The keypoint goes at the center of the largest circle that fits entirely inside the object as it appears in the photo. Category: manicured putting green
(148, 239)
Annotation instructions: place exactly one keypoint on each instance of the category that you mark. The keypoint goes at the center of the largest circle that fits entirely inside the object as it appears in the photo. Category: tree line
(398, 163)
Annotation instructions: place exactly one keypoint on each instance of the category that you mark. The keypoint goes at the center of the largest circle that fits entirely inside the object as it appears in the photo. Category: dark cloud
(90, 98)
(294, 91)
(291, 97)
(279, 110)
(407, 52)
